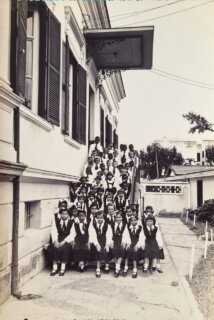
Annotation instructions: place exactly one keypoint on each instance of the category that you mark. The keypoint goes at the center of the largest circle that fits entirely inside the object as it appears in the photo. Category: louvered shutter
(18, 46)
(65, 88)
(79, 106)
(53, 69)
(82, 104)
(75, 111)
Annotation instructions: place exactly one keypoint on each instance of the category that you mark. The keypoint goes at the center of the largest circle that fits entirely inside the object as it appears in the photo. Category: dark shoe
(61, 273)
(125, 273)
(116, 273)
(159, 270)
(145, 270)
(153, 269)
(53, 273)
(106, 271)
(81, 269)
(134, 275)
(98, 275)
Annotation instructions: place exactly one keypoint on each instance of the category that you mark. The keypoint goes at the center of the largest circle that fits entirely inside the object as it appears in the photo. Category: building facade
(53, 102)
(192, 151)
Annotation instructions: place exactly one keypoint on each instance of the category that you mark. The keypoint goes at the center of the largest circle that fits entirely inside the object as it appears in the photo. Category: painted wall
(172, 203)
(208, 190)
(6, 215)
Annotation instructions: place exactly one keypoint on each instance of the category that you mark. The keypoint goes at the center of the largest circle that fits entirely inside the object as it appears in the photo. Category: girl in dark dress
(101, 237)
(81, 245)
(152, 249)
(134, 251)
(120, 240)
(61, 238)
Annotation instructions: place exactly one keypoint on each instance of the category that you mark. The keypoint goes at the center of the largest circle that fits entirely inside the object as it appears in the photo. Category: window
(115, 137)
(108, 132)
(202, 154)
(102, 125)
(198, 157)
(74, 86)
(32, 219)
(35, 57)
(32, 61)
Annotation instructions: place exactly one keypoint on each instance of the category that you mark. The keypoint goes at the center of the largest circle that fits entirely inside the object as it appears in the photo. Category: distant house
(201, 182)
(192, 151)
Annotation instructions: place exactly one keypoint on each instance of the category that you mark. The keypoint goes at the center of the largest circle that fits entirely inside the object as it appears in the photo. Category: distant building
(190, 149)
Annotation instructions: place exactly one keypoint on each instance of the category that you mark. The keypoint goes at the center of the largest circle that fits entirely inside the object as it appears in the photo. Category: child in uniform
(134, 251)
(120, 240)
(152, 249)
(81, 244)
(102, 239)
(61, 238)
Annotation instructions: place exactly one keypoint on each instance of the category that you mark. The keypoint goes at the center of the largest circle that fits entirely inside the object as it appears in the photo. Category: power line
(129, 15)
(187, 79)
(166, 15)
(182, 81)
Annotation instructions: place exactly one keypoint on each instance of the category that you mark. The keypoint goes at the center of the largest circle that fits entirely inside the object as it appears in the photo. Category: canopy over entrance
(121, 48)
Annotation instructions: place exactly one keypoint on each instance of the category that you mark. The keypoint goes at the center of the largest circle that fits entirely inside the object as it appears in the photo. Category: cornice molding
(10, 170)
(34, 174)
(72, 22)
(9, 100)
(27, 114)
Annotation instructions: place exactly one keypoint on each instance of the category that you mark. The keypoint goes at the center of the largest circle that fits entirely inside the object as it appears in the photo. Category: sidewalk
(82, 296)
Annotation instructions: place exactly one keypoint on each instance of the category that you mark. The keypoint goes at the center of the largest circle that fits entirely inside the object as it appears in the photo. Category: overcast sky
(184, 47)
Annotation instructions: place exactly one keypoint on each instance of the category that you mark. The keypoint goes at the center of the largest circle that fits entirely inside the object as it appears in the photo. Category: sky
(184, 47)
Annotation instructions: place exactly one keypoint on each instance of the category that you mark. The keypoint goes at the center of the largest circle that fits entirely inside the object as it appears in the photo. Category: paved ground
(82, 296)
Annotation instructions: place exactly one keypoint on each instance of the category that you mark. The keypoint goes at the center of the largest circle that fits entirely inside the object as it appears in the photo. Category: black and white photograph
(106, 159)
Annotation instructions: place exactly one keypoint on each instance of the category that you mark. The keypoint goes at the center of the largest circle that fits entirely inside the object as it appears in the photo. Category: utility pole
(156, 160)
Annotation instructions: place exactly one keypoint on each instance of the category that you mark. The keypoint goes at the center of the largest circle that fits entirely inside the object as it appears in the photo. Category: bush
(205, 212)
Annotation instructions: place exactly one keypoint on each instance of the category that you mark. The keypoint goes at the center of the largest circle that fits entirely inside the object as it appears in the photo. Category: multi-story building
(190, 149)
(56, 95)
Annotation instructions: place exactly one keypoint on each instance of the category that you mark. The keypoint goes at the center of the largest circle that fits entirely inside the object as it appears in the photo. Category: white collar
(152, 227)
(66, 222)
(134, 227)
(102, 224)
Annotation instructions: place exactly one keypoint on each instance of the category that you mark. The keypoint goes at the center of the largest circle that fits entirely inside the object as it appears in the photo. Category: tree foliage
(200, 124)
(156, 160)
(209, 153)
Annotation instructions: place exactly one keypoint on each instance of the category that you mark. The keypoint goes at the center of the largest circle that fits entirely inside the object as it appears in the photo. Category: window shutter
(18, 46)
(82, 104)
(79, 106)
(53, 69)
(65, 88)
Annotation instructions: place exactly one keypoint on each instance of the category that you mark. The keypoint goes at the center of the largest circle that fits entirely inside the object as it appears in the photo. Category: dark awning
(121, 48)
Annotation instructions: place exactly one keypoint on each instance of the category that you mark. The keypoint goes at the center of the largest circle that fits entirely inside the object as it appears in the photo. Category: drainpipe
(16, 198)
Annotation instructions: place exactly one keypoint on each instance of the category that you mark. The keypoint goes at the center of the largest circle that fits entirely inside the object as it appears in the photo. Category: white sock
(126, 268)
(145, 266)
(117, 267)
(134, 270)
(62, 266)
(55, 266)
(106, 266)
(98, 270)
(158, 266)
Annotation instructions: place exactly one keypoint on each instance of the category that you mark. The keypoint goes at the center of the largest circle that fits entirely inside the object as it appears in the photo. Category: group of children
(99, 224)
